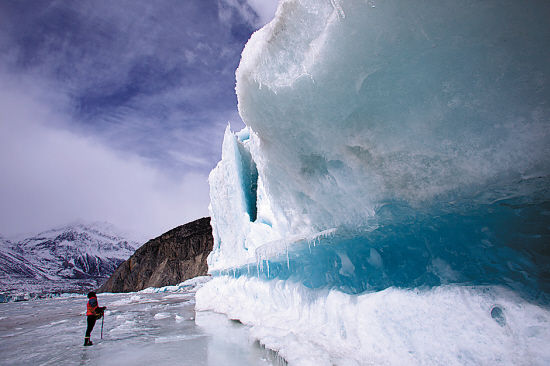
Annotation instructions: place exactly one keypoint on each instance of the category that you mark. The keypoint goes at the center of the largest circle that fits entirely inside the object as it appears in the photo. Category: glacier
(388, 201)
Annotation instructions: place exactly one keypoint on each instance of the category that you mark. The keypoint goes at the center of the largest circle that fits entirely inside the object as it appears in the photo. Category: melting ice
(388, 201)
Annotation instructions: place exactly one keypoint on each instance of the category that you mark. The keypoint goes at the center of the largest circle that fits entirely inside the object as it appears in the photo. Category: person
(93, 312)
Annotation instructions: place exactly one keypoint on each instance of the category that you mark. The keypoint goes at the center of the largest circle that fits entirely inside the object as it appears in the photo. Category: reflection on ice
(139, 328)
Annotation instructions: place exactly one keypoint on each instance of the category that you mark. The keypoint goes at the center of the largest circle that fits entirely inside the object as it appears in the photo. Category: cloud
(113, 111)
(265, 9)
(51, 176)
(256, 13)
(140, 77)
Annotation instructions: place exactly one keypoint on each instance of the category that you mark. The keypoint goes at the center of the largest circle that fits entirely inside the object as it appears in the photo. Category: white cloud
(257, 13)
(265, 9)
(50, 176)
(159, 74)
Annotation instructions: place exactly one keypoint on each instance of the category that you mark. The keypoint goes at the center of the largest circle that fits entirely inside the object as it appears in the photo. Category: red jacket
(92, 306)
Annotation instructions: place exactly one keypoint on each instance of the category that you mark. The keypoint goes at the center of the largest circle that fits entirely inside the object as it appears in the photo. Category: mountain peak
(73, 257)
(102, 228)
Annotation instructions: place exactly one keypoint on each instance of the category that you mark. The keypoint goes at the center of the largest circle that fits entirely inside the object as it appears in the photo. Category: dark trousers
(91, 323)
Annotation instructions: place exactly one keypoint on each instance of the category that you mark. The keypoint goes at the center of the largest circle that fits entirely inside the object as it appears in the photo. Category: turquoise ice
(396, 153)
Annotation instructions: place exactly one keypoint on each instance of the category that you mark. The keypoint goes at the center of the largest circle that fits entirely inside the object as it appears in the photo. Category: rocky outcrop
(173, 257)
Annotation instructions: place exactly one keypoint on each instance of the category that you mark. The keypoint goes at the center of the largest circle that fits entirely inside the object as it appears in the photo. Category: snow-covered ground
(145, 328)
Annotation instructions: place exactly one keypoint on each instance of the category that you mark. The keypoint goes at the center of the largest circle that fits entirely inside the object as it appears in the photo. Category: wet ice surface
(139, 329)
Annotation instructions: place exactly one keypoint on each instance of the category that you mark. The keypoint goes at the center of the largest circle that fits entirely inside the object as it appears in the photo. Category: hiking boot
(87, 342)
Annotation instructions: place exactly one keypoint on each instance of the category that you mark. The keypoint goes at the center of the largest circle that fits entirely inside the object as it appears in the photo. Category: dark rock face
(173, 257)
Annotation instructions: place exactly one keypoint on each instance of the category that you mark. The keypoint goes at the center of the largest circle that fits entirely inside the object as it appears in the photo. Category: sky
(115, 110)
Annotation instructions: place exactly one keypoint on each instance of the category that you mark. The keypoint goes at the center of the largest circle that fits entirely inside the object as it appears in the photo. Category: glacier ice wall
(396, 147)
(358, 105)
(354, 106)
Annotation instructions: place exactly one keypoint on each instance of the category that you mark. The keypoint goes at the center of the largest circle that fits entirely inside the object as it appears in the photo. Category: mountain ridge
(71, 258)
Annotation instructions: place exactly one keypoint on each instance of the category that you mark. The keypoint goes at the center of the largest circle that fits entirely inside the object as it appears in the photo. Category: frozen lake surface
(139, 329)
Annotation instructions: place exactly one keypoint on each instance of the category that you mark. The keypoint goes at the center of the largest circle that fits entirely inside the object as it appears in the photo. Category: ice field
(139, 329)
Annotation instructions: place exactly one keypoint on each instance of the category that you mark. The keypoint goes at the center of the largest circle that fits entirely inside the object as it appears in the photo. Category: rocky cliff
(171, 258)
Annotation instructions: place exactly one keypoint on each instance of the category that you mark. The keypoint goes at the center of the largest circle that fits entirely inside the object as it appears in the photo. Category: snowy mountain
(72, 258)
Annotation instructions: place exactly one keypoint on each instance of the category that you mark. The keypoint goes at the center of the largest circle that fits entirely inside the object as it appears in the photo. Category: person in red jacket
(93, 312)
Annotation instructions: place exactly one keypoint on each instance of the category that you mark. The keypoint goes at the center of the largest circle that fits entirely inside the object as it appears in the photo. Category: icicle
(287, 259)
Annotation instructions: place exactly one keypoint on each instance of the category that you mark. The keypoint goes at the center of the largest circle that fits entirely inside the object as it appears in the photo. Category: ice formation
(393, 177)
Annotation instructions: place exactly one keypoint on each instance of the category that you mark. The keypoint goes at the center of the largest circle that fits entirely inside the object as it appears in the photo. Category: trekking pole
(102, 318)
